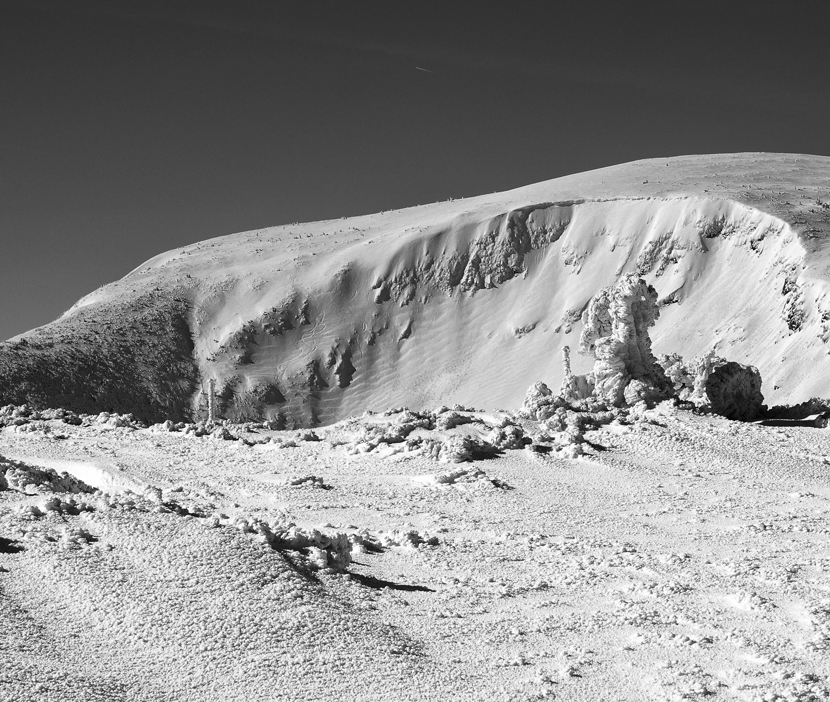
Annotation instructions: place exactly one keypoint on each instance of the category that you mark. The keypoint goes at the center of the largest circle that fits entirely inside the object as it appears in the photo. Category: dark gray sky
(129, 127)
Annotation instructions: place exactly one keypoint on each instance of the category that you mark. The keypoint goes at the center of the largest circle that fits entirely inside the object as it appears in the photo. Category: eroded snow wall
(475, 309)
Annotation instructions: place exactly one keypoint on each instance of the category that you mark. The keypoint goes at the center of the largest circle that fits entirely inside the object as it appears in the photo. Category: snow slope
(465, 301)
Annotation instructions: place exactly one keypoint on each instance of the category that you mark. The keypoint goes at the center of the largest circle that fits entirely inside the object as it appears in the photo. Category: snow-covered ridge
(471, 301)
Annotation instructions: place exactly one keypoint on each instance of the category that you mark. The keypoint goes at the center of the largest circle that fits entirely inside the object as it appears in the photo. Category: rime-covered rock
(727, 388)
(615, 333)
(716, 385)
(540, 402)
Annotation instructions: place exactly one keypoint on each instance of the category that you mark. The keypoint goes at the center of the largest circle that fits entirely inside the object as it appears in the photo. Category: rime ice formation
(615, 333)
(574, 387)
(466, 301)
(539, 402)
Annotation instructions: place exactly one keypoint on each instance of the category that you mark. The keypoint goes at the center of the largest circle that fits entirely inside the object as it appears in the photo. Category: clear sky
(129, 127)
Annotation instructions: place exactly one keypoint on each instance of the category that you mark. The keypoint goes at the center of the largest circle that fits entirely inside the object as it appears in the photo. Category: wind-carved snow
(471, 301)
(476, 310)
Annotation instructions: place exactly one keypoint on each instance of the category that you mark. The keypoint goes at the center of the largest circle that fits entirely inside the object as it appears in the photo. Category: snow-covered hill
(466, 301)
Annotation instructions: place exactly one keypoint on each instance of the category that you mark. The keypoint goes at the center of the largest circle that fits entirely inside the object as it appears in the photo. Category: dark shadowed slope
(134, 355)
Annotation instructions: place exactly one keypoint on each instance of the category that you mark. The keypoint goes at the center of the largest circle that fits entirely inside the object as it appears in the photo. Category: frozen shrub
(336, 546)
(312, 481)
(72, 419)
(456, 449)
(74, 538)
(459, 475)
(71, 506)
(406, 539)
(323, 549)
(222, 433)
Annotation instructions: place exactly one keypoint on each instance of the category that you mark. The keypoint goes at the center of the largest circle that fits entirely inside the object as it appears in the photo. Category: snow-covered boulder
(730, 389)
(716, 385)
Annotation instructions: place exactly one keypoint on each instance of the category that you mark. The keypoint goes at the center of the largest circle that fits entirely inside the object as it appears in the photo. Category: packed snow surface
(465, 301)
(682, 557)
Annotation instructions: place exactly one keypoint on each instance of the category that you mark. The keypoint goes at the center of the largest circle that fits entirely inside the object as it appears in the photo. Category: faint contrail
(425, 70)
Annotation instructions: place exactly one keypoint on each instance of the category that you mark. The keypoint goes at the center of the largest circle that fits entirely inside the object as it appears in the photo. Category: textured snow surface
(465, 301)
(683, 557)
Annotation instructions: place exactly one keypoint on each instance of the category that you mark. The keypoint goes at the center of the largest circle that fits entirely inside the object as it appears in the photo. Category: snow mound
(16, 475)
(444, 435)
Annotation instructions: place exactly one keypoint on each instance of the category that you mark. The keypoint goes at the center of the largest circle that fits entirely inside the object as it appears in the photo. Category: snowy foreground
(682, 557)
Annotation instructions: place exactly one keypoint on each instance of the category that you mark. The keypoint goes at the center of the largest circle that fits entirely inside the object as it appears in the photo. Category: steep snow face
(471, 301)
(474, 311)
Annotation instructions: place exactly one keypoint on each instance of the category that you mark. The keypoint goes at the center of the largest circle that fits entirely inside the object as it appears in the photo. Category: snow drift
(467, 301)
